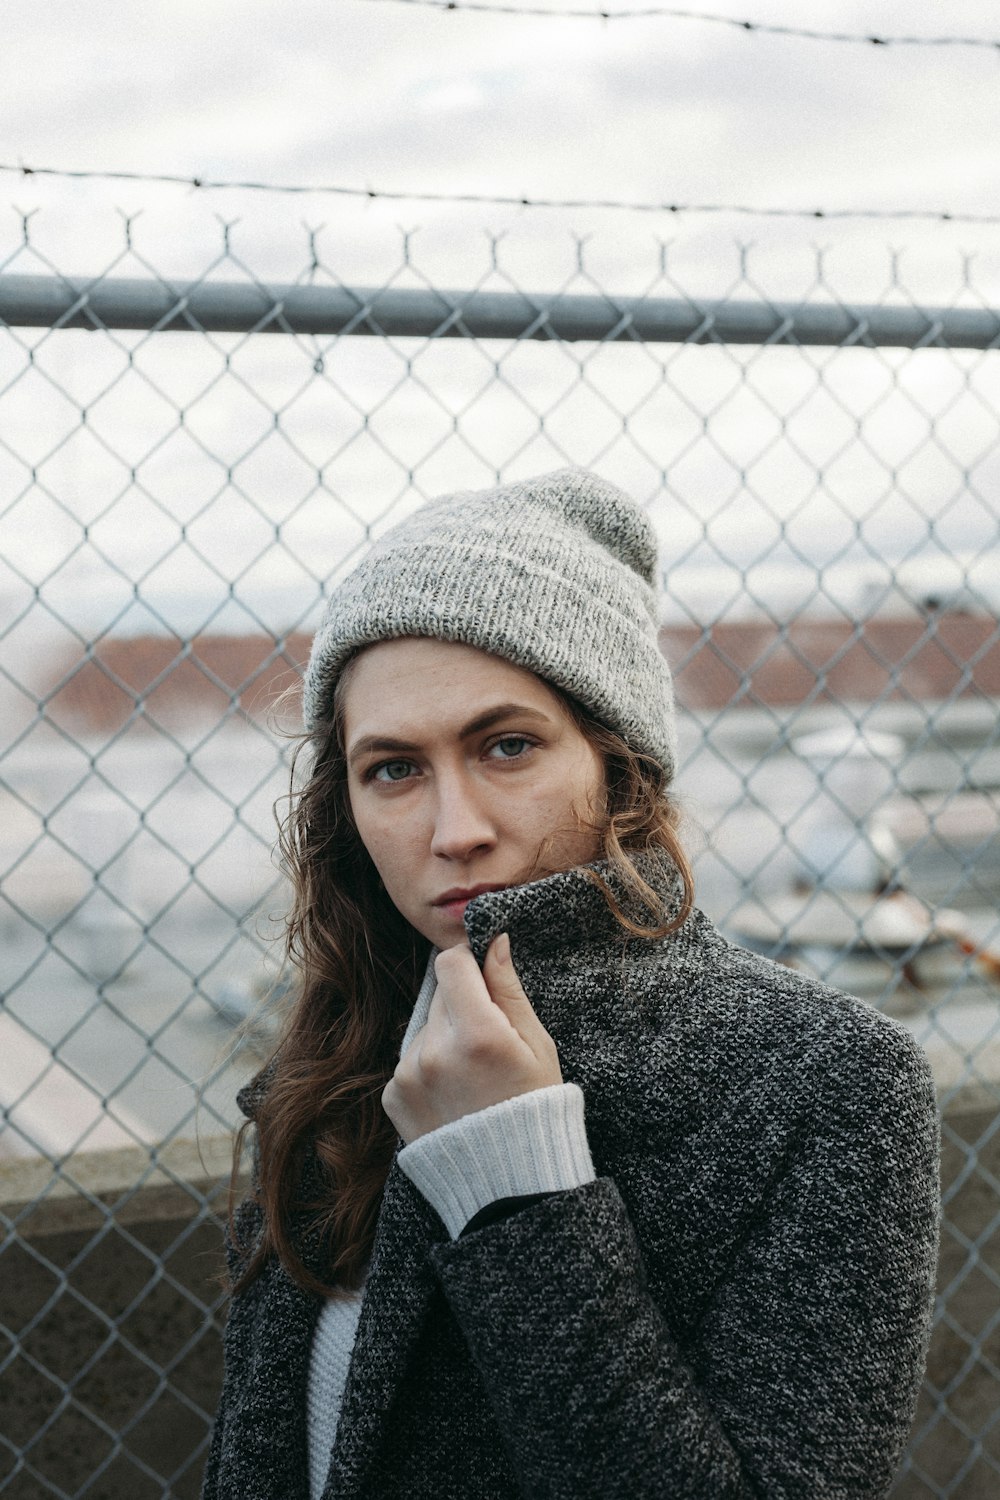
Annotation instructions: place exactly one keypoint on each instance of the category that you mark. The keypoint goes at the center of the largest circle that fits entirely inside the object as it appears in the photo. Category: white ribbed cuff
(533, 1143)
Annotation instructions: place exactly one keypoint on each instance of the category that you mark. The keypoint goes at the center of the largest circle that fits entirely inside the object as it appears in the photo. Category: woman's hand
(482, 1043)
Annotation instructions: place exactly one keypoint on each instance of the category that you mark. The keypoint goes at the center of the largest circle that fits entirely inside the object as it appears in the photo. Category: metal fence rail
(176, 493)
(407, 312)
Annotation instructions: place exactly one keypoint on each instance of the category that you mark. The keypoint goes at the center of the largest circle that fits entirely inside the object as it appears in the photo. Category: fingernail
(503, 948)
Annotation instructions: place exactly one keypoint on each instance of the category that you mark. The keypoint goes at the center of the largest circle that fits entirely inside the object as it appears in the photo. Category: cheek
(358, 818)
(589, 802)
(587, 781)
(574, 790)
(596, 780)
(373, 831)
(393, 838)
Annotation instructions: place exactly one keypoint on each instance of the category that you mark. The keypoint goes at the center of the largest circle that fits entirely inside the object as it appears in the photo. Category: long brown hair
(359, 966)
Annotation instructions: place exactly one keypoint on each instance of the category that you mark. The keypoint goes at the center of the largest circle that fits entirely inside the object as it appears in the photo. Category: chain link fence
(185, 465)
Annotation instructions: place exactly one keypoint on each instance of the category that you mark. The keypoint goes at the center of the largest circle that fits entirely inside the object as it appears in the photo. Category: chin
(451, 939)
(442, 933)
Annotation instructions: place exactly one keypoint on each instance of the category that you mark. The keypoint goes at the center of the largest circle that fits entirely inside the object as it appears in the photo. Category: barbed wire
(660, 12)
(211, 184)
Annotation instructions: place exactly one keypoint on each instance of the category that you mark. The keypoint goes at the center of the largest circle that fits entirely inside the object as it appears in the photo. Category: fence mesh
(174, 505)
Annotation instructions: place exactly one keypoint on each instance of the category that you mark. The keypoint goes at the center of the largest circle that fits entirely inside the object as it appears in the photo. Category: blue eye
(390, 767)
(503, 745)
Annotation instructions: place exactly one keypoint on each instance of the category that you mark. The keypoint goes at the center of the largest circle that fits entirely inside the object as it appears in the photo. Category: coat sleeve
(800, 1380)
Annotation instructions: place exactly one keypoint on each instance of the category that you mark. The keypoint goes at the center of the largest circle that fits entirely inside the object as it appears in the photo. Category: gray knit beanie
(556, 574)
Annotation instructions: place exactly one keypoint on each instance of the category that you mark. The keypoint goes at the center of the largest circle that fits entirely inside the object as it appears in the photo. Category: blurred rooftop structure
(752, 662)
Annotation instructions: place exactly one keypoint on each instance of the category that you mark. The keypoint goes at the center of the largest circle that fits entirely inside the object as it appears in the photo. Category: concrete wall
(81, 1291)
(955, 1431)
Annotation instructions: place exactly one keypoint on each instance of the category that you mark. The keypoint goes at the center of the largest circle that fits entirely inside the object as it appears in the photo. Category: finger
(505, 988)
(461, 997)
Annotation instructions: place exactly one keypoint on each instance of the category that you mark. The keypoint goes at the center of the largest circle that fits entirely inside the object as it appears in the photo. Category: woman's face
(464, 774)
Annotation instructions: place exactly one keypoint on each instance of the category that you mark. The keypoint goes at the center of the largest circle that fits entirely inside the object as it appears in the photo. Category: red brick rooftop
(743, 663)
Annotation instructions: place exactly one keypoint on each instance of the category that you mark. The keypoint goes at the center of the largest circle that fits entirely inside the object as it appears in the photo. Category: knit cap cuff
(533, 1143)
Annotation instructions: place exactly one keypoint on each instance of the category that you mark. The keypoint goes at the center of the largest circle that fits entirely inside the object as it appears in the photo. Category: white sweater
(533, 1143)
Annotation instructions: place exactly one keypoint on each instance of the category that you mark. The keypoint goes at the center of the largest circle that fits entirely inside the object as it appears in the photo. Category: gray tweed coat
(738, 1307)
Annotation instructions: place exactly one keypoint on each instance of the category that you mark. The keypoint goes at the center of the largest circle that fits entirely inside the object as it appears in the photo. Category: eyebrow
(377, 742)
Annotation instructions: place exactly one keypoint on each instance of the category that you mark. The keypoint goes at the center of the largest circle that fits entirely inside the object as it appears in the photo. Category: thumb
(506, 990)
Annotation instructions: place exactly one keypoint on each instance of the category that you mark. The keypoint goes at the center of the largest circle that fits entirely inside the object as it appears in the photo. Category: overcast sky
(371, 92)
(384, 95)
(395, 98)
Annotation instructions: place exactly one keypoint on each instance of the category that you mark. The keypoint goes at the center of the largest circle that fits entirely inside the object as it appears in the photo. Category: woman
(557, 1193)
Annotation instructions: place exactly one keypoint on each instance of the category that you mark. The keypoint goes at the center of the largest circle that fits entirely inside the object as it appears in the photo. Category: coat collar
(568, 913)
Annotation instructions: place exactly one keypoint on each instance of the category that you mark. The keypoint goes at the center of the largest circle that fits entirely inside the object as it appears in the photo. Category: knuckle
(479, 1046)
(391, 1087)
(399, 1088)
(403, 1071)
(433, 1062)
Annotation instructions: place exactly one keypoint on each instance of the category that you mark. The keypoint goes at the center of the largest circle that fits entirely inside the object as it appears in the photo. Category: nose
(462, 823)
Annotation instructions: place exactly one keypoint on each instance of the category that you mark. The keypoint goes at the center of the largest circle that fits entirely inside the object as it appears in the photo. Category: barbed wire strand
(209, 184)
(499, 200)
(659, 12)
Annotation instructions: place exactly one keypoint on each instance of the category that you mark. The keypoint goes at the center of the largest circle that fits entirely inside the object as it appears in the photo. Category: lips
(454, 902)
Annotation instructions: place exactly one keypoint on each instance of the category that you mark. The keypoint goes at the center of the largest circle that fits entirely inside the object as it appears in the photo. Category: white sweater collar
(423, 1002)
